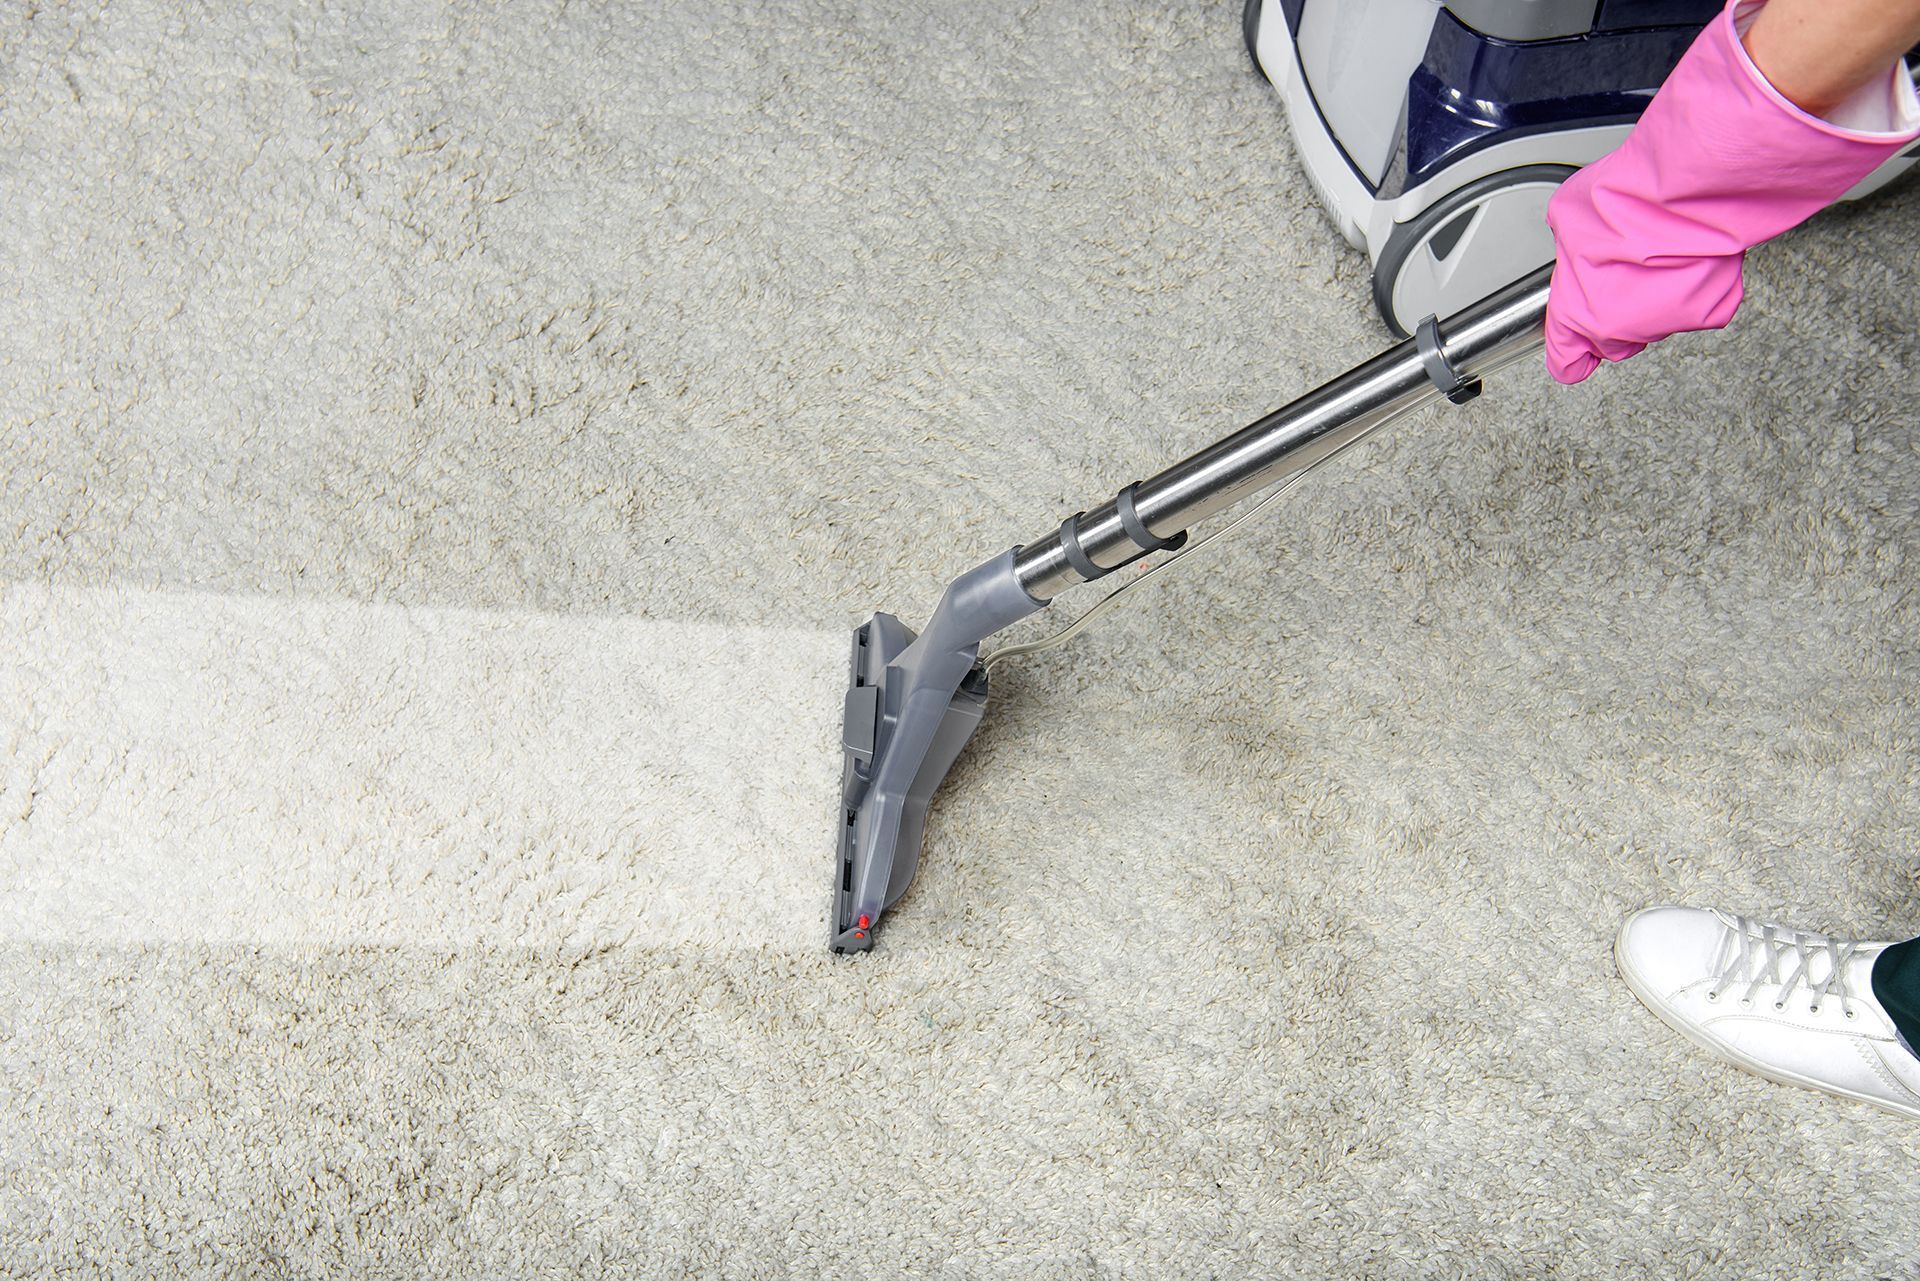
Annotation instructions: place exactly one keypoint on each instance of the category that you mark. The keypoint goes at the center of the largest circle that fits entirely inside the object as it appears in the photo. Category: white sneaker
(1795, 1007)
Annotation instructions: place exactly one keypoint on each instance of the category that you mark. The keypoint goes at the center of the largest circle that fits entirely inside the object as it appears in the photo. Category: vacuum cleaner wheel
(1250, 32)
(1467, 244)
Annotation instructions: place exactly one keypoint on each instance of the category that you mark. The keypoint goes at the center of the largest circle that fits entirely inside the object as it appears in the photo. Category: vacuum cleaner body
(1434, 133)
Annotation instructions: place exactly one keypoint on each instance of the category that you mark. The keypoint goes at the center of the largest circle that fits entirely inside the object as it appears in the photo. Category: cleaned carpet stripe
(222, 769)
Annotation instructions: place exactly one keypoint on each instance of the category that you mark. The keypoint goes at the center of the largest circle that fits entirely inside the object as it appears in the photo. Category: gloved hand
(1649, 240)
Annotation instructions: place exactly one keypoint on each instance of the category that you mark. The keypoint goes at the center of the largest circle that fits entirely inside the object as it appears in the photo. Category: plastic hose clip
(1077, 555)
(1458, 389)
(1137, 529)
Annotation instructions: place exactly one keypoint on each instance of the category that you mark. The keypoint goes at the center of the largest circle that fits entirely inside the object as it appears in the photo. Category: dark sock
(1896, 985)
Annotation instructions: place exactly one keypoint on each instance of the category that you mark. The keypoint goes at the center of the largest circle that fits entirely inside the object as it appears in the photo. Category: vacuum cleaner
(1434, 132)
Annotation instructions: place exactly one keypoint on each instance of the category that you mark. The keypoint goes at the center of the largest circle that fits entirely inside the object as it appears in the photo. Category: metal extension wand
(913, 701)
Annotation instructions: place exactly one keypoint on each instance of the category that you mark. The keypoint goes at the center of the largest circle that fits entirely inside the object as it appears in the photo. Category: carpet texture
(445, 450)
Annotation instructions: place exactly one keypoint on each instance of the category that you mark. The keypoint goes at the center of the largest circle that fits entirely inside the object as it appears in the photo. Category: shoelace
(1752, 952)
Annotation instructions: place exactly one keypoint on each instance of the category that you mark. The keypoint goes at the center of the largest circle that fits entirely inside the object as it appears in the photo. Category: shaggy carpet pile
(443, 452)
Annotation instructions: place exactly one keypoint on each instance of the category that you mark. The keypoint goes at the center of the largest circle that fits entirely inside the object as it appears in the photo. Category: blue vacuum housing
(1434, 133)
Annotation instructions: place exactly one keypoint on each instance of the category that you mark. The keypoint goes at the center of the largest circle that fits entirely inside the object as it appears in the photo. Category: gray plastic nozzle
(912, 703)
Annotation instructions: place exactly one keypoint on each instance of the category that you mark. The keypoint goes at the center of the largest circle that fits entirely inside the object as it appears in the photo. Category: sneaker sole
(1726, 1053)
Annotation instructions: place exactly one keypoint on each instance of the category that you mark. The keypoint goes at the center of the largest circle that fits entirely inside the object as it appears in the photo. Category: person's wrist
(1806, 86)
(1858, 92)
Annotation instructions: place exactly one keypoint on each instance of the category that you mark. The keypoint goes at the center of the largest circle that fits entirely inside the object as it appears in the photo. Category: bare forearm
(1818, 52)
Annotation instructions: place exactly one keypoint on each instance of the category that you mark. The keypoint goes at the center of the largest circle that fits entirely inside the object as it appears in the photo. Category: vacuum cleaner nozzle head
(912, 704)
(885, 809)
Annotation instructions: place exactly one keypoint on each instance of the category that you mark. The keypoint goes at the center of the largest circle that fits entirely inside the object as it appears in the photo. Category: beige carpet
(444, 453)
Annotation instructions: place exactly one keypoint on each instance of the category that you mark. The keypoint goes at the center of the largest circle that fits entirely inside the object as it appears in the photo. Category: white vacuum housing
(1434, 132)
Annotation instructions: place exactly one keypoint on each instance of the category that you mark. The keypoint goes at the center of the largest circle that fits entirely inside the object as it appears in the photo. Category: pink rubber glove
(1649, 241)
